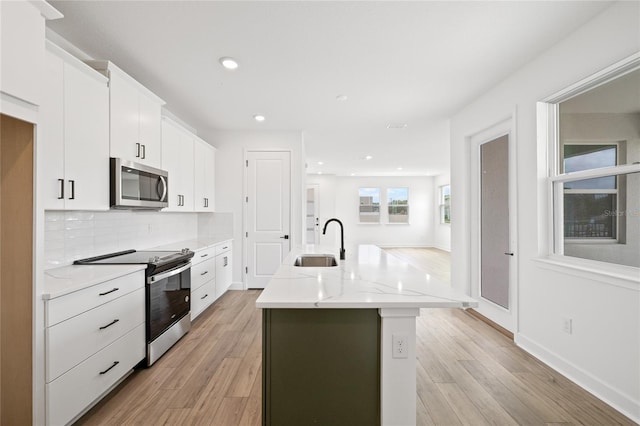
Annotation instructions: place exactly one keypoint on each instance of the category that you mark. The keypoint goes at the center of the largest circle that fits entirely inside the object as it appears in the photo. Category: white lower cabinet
(210, 276)
(71, 393)
(223, 269)
(93, 338)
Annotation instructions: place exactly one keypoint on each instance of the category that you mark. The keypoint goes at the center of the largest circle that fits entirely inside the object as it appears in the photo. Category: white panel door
(268, 205)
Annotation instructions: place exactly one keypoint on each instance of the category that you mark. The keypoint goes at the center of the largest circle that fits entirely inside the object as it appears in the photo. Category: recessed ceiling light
(396, 125)
(399, 168)
(368, 157)
(341, 98)
(228, 63)
(320, 163)
(259, 118)
(319, 173)
(353, 174)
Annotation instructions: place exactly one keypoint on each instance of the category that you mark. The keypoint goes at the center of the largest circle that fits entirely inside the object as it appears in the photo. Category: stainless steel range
(168, 291)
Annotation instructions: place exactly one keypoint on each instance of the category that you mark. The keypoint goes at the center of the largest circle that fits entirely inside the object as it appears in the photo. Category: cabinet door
(86, 148)
(204, 163)
(177, 160)
(22, 35)
(209, 177)
(150, 115)
(223, 273)
(124, 142)
(52, 121)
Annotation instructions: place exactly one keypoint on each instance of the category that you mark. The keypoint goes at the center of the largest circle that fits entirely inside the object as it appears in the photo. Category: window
(398, 204)
(445, 204)
(595, 176)
(369, 211)
(587, 201)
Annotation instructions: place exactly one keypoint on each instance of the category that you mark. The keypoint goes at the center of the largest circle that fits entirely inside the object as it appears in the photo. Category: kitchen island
(333, 333)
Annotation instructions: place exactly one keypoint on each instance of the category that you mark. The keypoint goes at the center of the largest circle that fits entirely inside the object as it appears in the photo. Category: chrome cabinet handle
(110, 324)
(205, 255)
(204, 273)
(144, 151)
(225, 261)
(137, 150)
(205, 296)
(107, 370)
(72, 183)
(61, 196)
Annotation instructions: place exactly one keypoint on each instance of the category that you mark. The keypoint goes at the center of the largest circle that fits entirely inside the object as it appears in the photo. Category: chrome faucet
(324, 231)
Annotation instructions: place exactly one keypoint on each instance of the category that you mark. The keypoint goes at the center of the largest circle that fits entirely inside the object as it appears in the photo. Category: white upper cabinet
(22, 26)
(75, 119)
(177, 160)
(135, 117)
(204, 175)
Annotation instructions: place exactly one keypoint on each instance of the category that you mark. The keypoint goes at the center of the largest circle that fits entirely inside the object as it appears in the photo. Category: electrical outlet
(567, 325)
(400, 345)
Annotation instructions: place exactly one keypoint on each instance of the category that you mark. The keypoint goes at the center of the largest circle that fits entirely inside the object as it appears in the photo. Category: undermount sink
(316, 260)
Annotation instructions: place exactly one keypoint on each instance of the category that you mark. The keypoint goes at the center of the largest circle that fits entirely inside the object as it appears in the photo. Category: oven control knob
(154, 259)
(184, 251)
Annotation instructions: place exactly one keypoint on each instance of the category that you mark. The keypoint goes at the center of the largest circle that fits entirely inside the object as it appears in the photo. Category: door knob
(286, 237)
(509, 254)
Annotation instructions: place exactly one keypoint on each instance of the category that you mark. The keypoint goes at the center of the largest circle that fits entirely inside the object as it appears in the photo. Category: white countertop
(368, 278)
(65, 280)
(195, 244)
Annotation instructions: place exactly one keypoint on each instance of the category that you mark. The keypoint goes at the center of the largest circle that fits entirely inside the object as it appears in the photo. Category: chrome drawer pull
(205, 296)
(107, 370)
(110, 291)
(204, 273)
(205, 255)
(110, 324)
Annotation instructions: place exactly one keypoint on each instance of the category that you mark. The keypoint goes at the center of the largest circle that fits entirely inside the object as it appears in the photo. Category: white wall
(602, 353)
(230, 170)
(441, 231)
(339, 198)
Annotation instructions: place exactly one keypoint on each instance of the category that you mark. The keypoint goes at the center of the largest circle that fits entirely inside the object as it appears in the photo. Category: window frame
(547, 112)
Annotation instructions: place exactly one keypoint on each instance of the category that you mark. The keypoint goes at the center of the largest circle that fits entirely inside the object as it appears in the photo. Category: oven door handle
(171, 272)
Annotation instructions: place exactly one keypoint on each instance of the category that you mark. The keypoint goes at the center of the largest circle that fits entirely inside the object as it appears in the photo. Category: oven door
(168, 295)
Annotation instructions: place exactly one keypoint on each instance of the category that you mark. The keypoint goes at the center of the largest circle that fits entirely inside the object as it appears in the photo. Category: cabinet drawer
(224, 247)
(202, 297)
(72, 341)
(71, 393)
(202, 255)
(203, 272)
(70, 305)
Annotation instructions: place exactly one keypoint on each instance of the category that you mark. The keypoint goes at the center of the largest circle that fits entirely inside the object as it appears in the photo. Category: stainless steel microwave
(137, 186)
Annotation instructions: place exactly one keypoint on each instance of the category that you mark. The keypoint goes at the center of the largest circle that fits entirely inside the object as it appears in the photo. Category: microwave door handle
(163, 195)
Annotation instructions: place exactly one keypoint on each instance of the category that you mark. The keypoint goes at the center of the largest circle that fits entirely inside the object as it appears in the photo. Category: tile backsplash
(71, 235)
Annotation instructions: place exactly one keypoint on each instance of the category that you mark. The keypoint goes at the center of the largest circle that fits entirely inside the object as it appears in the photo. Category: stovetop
(154, 259)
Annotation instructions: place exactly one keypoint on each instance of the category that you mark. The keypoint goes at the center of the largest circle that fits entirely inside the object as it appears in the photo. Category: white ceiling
(412, 63)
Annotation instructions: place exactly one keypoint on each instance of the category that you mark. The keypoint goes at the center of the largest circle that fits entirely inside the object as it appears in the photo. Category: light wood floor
(468, 374)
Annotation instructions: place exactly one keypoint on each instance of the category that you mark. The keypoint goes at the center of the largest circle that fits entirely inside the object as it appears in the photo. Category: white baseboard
(236, 286)
(402, 245)
(447, 249)
(616, 399)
